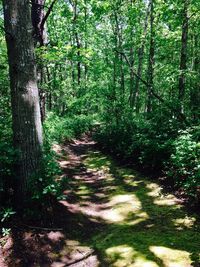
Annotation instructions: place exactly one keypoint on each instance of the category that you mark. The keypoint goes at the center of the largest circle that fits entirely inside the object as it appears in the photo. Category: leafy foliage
(96, 68)
(184, 164)
(65, 128)
(145, 142)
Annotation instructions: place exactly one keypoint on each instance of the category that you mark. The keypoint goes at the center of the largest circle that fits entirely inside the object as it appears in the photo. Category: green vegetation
(60, 129)
(184, 161)
(142, 225)
(126, 74)
(104, 63)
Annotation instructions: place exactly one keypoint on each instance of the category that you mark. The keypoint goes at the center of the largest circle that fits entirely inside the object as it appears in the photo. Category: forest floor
(109, 215)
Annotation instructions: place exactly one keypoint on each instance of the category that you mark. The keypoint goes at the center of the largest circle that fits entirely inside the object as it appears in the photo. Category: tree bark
(195, 86)
(37, 16)
(118, 32)
(183, 55)
(27, 127)
(86, 41)
(131, 92)
(140, 60)
(151, 60)
(131, 60)
(76, 38)
(40, 37)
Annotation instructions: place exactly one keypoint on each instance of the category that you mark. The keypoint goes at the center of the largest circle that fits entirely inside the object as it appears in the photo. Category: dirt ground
(108, 215)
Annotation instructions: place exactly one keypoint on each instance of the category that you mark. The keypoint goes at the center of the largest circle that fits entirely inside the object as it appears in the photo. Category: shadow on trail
(113, 215)
(142, 225)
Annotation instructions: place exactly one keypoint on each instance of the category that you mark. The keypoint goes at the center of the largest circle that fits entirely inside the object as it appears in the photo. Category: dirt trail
(111, 216)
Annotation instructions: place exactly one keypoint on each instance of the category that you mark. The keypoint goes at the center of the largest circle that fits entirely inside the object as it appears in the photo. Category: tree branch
(180, 114)
(131, 68)
(84, 257)
(47, 14)
(38, 5)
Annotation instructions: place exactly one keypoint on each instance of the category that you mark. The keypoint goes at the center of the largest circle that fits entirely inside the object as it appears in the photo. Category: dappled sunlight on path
(108, 215)
(141, 226)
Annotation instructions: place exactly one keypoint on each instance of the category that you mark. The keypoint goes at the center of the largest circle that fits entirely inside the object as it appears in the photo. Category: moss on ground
(144, 227)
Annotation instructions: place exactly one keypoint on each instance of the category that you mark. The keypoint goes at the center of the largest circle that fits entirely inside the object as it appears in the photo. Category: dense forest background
(130, 69)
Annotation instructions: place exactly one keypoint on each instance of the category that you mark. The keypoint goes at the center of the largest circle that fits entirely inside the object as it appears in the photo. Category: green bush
(7, 153)
(145, 142)
(154, 144)
(81, 124)
(45, 183)
(59, 129)
(56, 129)
(184, 164)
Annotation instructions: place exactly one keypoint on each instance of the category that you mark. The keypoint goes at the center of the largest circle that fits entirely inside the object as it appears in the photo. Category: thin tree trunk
(50, 101)
(131, 60)
(140, 60)
(78, 54)
(86, 42)
(27, 127)
(76, 38)
(37, 15)
(49, 94)
(183, 55)
(151, 60)
(195, 86)
(119, 46)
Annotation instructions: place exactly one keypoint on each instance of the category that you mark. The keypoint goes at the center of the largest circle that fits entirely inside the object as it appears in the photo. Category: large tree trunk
(27, 128)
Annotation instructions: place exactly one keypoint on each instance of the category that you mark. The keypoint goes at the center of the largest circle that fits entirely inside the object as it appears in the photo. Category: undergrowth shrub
(59, 129)
(156, 144)
(7, 153)
(145, 142)
(56, 129)
(46, 182)
(81, 124)
(184, 164)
